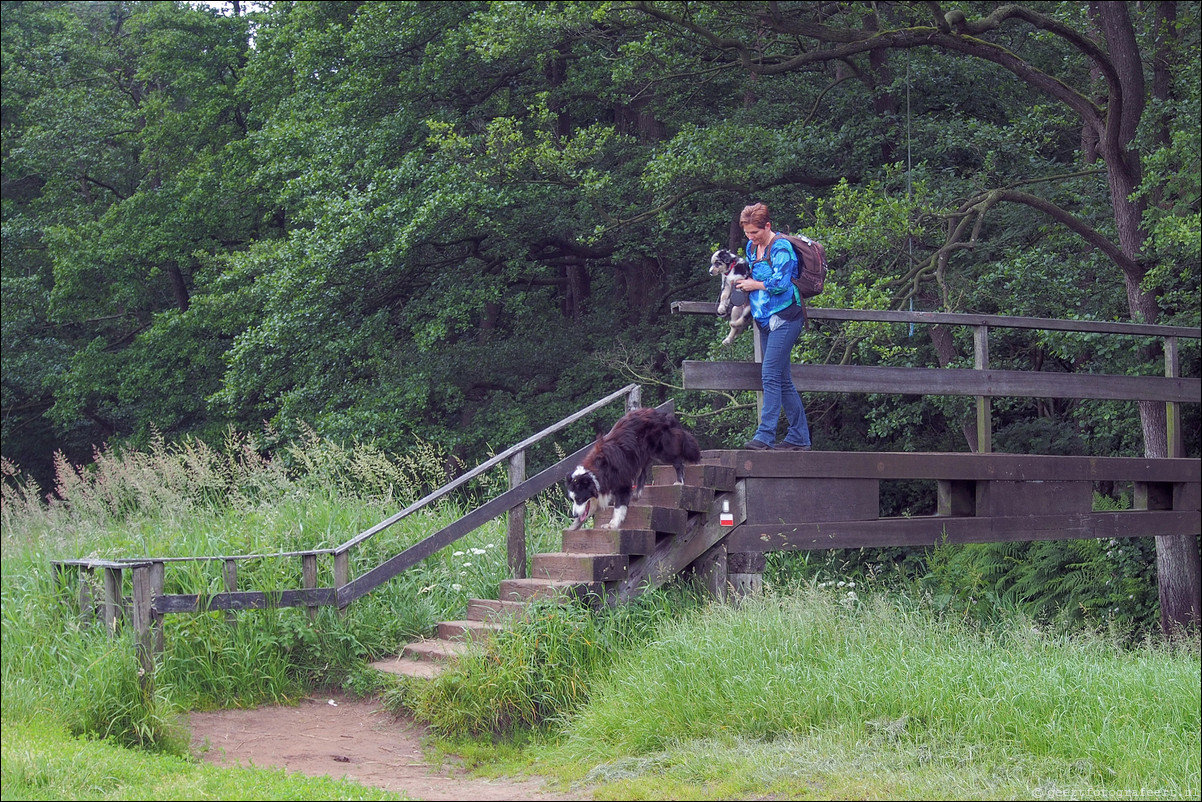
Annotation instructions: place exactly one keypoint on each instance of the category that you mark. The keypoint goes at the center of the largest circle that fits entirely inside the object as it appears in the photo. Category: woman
(776, 307)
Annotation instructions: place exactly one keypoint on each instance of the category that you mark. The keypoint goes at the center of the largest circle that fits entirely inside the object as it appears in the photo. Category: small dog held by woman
(618, 465)
(731, 301)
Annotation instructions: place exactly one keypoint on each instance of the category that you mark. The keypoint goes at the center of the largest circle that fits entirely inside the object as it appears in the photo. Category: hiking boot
(787, 446)
(757, 445)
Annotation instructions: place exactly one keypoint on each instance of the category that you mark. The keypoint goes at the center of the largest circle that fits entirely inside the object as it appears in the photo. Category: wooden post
(634, 399)
(141, 617)
(309, 573)
(515, 540)
(710, 571)
(229, 572)
(745, 572)
(87, 603)
(1176, 447)
(342, 575)
(157, 574)
(980, 341)
(112, 598)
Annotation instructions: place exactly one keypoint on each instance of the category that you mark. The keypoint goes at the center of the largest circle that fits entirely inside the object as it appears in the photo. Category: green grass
(809, 692)
(802, 694)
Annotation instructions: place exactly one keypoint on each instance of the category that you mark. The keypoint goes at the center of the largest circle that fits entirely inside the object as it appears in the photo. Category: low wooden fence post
(142, 618)
(980, 341)
(515, 537)
(1176, 447)
(342, 575)
(113, 601)
(309, 574)
(87, 604)
(634, 399)
(229, 573)
(157, 578)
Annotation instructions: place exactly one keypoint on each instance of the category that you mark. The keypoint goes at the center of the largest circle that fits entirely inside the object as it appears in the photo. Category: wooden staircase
(668, 528)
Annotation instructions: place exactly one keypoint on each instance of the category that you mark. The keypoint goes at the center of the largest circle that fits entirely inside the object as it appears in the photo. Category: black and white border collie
(618, 465)
(732, 268)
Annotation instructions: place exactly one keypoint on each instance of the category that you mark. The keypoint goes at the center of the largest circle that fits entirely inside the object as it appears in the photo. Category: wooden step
(494, 610)
(410, 667)
(528, 589)
(435, 649)
(575, 567)
(471, 630)
(609, 541)
(664, 520)
(693, 498)
(705, 475)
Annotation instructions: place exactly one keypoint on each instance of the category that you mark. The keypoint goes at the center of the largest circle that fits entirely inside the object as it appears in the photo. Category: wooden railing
(980, 381)
(147, 603)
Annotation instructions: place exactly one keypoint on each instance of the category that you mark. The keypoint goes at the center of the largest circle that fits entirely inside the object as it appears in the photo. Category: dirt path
(339, 736)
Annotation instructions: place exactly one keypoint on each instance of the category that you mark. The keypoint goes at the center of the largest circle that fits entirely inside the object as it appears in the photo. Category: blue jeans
(779, 392)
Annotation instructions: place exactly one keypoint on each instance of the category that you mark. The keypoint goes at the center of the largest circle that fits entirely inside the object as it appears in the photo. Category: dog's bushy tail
(674, 442)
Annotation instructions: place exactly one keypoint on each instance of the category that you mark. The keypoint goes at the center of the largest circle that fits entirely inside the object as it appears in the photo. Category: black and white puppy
(733, 302)
(618, 465)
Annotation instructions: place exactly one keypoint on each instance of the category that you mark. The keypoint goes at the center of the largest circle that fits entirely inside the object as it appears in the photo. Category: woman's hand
(749, 284)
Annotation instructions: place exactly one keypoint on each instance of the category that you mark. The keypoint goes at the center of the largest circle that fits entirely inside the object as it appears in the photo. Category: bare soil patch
(358, 739)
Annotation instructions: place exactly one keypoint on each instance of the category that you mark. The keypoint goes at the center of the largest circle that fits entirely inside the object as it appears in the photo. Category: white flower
(458, 554)
(456, 586)
(467, 565)
(478, 551)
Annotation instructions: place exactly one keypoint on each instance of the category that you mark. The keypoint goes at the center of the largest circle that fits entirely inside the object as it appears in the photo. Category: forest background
(402, 223)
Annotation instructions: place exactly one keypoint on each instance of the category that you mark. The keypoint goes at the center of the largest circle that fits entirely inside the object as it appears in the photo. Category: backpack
(811, 264)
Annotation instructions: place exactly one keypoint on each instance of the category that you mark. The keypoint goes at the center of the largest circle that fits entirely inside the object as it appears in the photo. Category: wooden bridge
(737, 505)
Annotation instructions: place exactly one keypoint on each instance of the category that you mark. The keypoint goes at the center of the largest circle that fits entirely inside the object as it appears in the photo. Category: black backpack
(811, 264)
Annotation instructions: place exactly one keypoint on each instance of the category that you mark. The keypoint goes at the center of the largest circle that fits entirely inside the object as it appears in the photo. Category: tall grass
(542, 668)
(189, 499)
(948, 705)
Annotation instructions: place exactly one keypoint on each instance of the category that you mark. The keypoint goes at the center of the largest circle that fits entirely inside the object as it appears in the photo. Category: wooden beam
(962, 466)
(935, 530)
(963, 319)
(947, 381)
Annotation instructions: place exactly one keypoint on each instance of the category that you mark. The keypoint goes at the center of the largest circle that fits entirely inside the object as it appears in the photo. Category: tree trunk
(1178, 564)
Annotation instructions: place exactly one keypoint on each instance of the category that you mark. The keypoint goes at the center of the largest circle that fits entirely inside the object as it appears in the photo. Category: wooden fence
(99, 584)
(980, 381)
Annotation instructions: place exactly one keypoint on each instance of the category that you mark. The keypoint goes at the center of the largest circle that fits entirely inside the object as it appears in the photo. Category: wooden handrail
(980, 381)
(148, 570)
(967, 319)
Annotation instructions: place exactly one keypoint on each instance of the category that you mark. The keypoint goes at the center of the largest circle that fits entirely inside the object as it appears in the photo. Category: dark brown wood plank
(947, 381)
(934, 530)
(609, 541)
(243, 600)
(964, 466)
(579, 567)
(772, 499)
